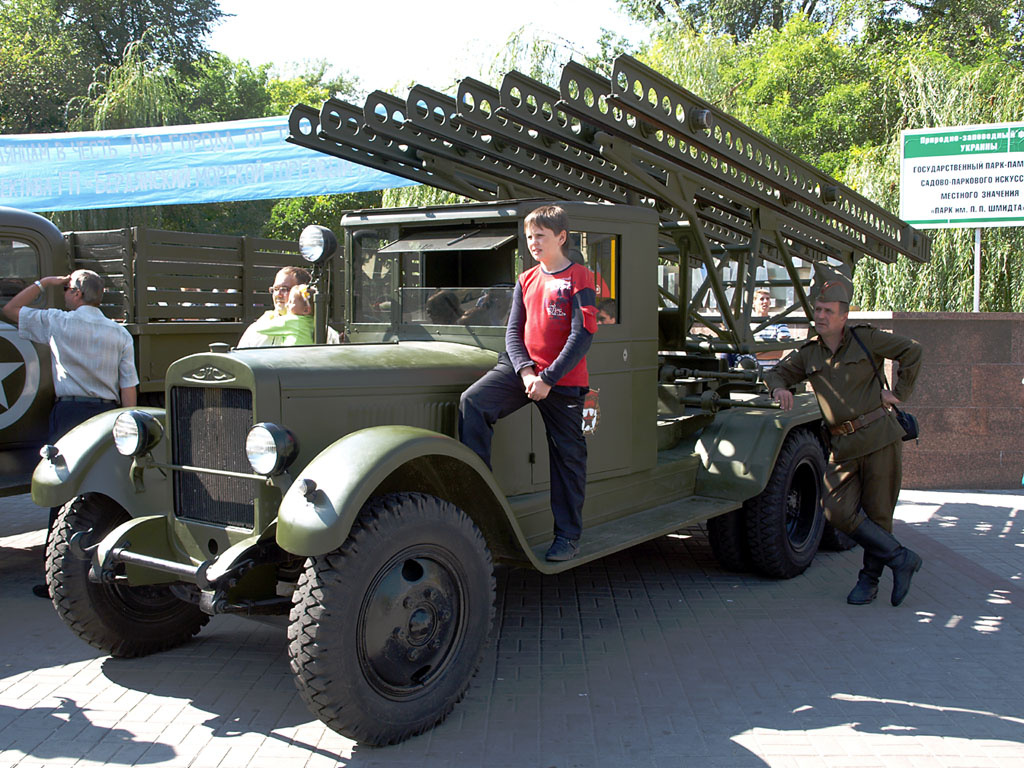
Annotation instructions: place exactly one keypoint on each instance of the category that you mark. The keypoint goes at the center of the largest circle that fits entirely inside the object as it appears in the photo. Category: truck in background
(175, 292)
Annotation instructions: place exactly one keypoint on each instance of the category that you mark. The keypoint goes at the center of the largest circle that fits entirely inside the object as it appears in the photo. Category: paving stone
(653, 657)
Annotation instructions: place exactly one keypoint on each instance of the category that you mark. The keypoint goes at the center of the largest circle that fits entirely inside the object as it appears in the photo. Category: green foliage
(40, 68)
(136, 94)
(936, 91)
(840, 102)
(311, 83)
(739, 19)
(104, 29)
(290, 216)
(409, 197)
(800, 86)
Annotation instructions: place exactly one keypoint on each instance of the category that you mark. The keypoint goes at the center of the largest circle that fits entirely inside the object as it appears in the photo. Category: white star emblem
(6, 369)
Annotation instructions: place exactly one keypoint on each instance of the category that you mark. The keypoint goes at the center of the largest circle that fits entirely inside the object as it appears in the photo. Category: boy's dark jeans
(500, 392)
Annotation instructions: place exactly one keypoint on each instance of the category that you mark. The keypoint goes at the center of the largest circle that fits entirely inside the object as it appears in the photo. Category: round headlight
(317, 243)
(270, 448)
(136, 432)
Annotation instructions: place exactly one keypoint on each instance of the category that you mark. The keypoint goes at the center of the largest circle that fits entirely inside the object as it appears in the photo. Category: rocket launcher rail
(725, 193)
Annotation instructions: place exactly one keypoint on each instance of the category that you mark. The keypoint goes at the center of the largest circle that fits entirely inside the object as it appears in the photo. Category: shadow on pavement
(66, 733)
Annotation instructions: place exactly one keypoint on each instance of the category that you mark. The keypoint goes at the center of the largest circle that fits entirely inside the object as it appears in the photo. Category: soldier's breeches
(865, 486)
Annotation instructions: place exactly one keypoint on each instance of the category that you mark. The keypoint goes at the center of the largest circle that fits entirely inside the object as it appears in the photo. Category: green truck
(326, 483)
(175, 292)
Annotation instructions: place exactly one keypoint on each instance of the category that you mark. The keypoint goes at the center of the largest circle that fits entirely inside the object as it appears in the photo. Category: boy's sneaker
(562, 549)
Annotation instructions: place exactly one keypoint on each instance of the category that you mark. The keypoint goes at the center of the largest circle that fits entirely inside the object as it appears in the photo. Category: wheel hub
(409, 624)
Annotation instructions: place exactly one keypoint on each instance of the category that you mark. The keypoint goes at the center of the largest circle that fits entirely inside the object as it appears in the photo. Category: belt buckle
(847, 428)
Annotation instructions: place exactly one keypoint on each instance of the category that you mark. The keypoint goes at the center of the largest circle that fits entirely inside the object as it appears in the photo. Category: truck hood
(410, 363)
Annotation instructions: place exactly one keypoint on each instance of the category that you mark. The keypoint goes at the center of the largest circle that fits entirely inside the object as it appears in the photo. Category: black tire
(387, 631)
(834, 540)
(727, 535)
(118, 619)
(785, 521)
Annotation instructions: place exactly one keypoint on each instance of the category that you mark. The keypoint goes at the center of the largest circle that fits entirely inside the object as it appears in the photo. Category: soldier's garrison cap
(834, 290)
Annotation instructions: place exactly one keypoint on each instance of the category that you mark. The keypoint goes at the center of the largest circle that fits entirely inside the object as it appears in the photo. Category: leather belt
(77, 399)
(851, 426)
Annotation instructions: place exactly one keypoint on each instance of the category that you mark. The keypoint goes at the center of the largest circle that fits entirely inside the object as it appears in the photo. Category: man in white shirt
(92, 357)
(286, 279)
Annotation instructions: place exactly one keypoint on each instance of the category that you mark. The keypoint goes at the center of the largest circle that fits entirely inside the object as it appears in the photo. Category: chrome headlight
(270, 448)
(136, 432)
(317, 243)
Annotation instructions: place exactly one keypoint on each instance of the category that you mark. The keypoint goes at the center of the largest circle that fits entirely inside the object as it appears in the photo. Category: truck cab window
(372, 284)
(448, 278)
(19, 267)
(600, 252)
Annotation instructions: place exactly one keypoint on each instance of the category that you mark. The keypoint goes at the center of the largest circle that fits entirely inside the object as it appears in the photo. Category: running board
(624, 532)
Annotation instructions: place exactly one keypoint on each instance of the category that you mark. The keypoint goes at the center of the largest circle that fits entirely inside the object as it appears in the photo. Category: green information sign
(967, 176)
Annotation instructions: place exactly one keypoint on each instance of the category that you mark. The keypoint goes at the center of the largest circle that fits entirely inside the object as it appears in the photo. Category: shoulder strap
(881, 379)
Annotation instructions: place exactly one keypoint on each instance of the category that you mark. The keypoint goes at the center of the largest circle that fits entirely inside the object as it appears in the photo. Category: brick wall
(969, 398)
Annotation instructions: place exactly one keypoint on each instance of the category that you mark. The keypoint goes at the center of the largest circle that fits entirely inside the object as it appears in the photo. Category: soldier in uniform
(863, 478)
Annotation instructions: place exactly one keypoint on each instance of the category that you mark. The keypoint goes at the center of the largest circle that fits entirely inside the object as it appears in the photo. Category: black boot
(866, 589)
(883, 545)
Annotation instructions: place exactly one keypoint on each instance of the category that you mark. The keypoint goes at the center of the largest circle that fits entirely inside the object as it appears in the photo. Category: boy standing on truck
(550, 328)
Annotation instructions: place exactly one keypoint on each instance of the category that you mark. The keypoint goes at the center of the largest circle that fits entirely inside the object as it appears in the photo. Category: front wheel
(388, 630)
(119, 619)
(785, 521)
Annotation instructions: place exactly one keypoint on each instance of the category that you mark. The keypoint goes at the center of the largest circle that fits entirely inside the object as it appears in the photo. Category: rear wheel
(785, 522)
(388, 630)
(116, 618)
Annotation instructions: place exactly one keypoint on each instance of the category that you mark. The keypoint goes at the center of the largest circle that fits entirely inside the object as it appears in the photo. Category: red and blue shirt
(551, 324)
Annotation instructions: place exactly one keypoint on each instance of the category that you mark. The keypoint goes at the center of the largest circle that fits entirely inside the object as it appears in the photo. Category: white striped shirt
(91, 355)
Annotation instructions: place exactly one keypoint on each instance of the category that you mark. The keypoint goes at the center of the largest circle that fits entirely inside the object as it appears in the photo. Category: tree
(103, 29)
(40, 68)
(737, 18)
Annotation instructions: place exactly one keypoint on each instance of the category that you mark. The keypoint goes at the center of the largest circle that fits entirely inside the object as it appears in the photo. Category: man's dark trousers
(68, 413)
(500, 392)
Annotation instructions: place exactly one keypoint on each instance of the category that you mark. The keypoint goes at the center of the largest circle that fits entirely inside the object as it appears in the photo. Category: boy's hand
(534, 385)
(537, 389)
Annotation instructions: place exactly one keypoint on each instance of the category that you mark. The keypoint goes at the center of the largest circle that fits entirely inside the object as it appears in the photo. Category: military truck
(327, 482)
(175, 292)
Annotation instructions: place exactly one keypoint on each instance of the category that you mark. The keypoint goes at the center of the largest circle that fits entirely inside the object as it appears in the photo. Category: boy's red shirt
(548, 299)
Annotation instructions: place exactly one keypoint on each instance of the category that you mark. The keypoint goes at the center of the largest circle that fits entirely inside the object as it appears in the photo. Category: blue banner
(207, 163)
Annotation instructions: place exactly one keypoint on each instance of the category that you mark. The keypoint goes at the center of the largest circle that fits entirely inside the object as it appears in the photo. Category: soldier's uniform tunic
(866, 468)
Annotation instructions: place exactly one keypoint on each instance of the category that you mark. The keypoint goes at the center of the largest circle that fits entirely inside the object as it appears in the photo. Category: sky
(390, 43)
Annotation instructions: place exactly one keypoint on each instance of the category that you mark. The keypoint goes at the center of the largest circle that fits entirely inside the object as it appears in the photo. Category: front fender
(738, 450)
(88, 462)
(352, 469)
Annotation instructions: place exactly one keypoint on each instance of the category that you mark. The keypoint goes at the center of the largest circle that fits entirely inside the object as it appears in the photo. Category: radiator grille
(210, 425)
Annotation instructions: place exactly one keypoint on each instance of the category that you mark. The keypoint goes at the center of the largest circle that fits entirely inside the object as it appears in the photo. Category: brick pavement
(654, 657)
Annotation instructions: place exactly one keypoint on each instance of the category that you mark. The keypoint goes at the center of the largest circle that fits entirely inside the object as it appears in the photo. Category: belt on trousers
(851, 426)
(77, 399)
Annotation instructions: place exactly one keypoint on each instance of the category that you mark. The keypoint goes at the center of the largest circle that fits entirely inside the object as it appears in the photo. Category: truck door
(607, 417)
(26, 382)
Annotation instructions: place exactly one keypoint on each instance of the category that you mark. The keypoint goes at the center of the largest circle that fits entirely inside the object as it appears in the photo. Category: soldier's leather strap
(849, 427)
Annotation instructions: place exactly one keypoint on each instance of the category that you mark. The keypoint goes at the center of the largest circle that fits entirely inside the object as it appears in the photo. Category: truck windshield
(436, 278)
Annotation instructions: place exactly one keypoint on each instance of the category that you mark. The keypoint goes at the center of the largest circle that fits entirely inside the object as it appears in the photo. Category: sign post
(968, 176)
